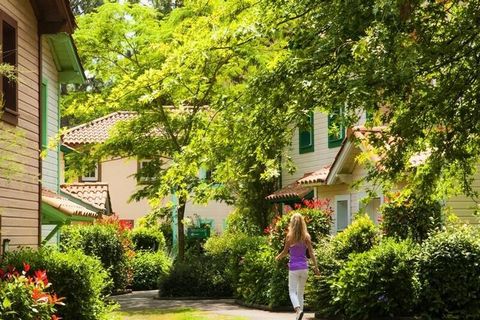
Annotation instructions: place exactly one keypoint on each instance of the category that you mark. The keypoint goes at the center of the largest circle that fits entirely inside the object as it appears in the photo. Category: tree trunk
(181, 229)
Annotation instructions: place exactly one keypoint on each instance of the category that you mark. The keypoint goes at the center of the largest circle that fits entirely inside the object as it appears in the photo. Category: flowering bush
(79, 279)
(317, 214)
(24, 295)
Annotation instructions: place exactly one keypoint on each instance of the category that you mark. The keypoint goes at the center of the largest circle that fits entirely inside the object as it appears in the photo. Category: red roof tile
(318, 176)
(66, 206)
(95, 131)
(94, 194)
(293, 190)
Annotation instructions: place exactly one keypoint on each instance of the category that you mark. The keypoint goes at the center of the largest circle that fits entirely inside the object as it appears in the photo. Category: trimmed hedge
(79, 278)
(378, 283)
(108, 243)
(150, 239)
(449, 275)
(196, 276)
(360, 236)
(148, 268)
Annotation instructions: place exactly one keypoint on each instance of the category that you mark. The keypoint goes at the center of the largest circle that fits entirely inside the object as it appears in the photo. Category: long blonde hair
(297, 229)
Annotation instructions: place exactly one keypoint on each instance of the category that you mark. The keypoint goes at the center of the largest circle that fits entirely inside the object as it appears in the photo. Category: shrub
(148, 267)
(198, 275)
(229, 249)
(150, 239)
(449, 275)
(319, 294)
(24, 295)
(318, 221)
(278, 286)
(378, 283)
(105, 241)
(255, 275)
(75, 276)
(411, 216)
(360, 236)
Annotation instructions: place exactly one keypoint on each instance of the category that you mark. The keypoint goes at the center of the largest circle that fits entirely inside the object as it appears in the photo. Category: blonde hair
(297, 229)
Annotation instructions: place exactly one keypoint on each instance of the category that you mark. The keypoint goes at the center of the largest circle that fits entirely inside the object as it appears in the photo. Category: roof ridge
(85, 184)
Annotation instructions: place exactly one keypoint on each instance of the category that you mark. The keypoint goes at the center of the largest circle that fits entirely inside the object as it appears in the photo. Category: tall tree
(413, 64)
(179, 75)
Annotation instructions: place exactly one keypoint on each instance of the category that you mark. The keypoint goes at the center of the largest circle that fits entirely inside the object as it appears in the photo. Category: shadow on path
(144, 300)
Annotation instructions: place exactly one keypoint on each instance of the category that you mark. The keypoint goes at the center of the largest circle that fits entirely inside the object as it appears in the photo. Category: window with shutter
(8, 56)
(305, 135)
(336, 131)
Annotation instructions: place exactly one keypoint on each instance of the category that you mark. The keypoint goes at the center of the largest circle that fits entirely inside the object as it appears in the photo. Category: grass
(177, 314)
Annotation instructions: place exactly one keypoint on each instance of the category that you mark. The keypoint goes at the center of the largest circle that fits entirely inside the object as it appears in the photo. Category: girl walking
(297, 242)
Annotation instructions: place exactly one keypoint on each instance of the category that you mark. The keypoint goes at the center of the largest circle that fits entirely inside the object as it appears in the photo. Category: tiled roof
(94, 194)
(291, 191)
(318, 176)
(95, 131)
(66, 206)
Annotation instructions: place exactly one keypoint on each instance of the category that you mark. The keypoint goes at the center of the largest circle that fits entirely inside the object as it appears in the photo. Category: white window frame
(344, 197)
(363, 194)
(92, 179)
(139, 168)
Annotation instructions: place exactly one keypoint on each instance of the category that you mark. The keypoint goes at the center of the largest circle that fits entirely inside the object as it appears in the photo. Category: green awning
(51, 215)
(66, 58)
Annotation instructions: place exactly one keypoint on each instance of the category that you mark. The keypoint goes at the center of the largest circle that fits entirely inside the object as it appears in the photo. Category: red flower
(41, 275)
(26, 267)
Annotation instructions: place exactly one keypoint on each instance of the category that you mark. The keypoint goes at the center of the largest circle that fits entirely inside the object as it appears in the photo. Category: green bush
(360, 236)
(449, 275)
(318, 224)
(411, 216)
(150, 239)
(255, 275)
(105, 241)
(196, 276)
(378, 283)
(80, 279)
(229, 249)
(148, 267)
(319, 294)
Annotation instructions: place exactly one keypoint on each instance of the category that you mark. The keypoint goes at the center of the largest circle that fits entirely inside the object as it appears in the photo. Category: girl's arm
(312, 256)
(284, 251)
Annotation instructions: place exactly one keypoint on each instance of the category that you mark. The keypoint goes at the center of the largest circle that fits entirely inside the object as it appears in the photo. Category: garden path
(144, 300)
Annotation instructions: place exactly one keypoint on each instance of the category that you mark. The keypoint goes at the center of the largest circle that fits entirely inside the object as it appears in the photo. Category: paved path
(143, 300)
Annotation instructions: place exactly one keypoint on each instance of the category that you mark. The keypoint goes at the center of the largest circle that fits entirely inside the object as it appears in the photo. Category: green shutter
(305, 136)
(336, 131)
(44, 112)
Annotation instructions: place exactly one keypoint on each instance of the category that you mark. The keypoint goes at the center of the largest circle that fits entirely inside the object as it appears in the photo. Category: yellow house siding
(19, 206)
(463, 206)
(312, 161)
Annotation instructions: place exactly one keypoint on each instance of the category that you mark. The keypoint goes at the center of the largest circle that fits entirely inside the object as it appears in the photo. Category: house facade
(328, 167)
(36, 41)
(120, 176)
(25, 27)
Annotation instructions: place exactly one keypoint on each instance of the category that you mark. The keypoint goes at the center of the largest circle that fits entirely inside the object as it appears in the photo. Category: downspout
(39, 139)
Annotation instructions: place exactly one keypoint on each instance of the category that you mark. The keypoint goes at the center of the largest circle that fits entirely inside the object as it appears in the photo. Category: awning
(291, 192)
(57, 209)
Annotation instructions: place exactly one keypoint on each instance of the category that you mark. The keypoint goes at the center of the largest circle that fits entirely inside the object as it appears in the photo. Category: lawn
(180, 314)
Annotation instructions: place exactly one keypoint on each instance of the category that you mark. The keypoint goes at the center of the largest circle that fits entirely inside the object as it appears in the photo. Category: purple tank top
(298, 257)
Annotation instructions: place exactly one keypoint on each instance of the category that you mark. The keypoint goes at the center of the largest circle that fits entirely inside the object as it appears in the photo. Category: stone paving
(144, 300)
